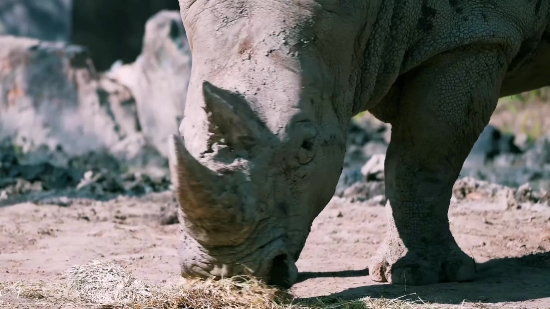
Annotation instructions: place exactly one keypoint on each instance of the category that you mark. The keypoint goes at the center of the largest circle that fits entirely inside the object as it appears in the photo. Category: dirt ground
(512, 248)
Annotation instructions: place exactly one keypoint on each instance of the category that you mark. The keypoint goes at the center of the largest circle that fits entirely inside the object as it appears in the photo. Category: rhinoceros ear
(232, 119)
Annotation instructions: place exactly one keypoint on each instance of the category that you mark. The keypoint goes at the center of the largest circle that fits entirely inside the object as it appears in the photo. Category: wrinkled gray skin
(274, 85)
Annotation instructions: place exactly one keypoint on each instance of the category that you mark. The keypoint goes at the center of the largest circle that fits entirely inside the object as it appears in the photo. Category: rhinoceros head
(262, 141)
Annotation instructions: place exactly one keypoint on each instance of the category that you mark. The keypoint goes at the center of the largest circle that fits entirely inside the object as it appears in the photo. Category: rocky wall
(52, 97)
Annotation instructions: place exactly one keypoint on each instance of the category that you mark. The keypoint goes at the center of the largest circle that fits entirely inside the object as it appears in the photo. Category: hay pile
(108, 285)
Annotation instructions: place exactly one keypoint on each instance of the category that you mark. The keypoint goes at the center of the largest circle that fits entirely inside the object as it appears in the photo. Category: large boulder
(159, 78)
(55, 101)
(48, 20)
(54, 106)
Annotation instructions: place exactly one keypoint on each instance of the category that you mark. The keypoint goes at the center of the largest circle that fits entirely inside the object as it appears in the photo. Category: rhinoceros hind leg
(444, 106)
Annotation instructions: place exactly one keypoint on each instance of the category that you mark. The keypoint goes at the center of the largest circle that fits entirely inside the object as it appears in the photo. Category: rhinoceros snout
(284, 272)
(274, 265)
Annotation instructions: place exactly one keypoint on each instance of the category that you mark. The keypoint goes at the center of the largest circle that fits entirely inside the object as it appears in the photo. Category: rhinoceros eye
(307, 145)
(308, 135)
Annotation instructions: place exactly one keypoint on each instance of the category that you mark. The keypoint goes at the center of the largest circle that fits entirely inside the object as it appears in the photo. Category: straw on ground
(110, 285)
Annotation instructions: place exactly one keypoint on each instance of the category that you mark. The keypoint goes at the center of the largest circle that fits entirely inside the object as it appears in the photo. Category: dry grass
(108, 285)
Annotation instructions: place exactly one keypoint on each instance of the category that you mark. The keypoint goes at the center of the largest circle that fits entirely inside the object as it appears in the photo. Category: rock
(524, 193)
(62, 201)
(486, 147)
(48, 20)
(490, 143)
(91, 176)
(374, 148)
(363, 184)
(122, 106)
(364, 191)
(463, 187)
(140, 156)
(471, 188)
(89, 179)
(73, 111)
(505, 160)
(348, 177)
(468, 188)
(160, 75)
(51, 86)
(357, 135)
(21, 186)
(538, 156)
(354, 156)
(507, 144)
(374, 128)
(169, 214)
(365, 140)
(544, 198)
(379, 199)
(506, 198)
(373, 170)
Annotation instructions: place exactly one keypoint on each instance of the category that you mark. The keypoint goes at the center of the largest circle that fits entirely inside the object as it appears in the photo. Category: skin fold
(274, 85)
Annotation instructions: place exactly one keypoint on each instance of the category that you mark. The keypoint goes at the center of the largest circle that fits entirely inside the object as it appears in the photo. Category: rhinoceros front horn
(212, 211)
(232, 119)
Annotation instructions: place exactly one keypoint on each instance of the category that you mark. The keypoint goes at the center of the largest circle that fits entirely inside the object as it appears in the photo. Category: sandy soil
(512, 247)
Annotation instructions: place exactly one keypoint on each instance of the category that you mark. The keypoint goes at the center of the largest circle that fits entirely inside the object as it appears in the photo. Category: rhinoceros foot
(434, 263)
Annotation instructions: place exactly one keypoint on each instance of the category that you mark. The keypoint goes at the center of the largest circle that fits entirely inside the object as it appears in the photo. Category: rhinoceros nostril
(283, 272)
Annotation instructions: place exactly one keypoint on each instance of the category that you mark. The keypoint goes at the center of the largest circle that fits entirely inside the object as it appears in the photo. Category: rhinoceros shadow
(524, 278)
(303, 276)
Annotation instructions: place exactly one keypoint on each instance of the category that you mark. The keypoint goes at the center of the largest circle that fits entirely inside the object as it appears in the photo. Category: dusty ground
(512, 247)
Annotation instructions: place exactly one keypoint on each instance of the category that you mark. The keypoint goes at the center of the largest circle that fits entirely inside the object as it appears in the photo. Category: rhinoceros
(273, 87)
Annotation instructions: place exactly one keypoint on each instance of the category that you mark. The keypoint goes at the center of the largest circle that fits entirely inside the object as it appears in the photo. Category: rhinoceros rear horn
(232, 119)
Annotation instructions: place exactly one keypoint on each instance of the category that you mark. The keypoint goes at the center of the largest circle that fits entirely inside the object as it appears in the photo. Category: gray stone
(348, 177)
(55, 107)
(375, 148)
(489, 145)
(159, 78)
(373, 170)
(364, 191)
(49, 98)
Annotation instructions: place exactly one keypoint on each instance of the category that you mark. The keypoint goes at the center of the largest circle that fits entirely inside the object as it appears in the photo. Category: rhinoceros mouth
(283, 271)
(270, 262)
(277, 267)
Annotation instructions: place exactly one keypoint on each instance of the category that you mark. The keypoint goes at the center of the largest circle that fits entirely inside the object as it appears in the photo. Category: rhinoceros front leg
(445, 104)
